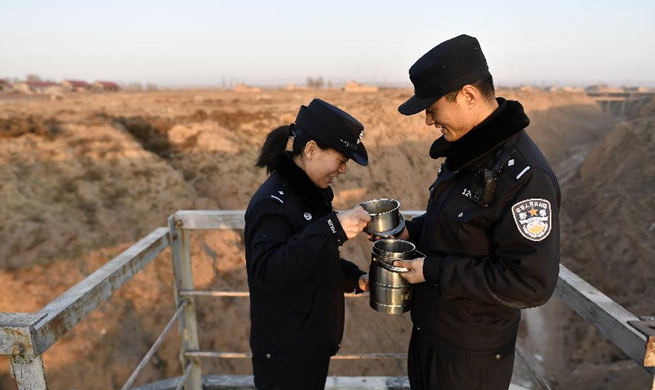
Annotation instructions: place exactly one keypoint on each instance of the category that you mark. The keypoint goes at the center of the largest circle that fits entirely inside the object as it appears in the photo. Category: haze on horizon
(213, 43)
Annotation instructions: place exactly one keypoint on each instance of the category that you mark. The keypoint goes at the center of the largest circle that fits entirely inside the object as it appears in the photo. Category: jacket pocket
(465, 227)
(485, 360)
(309, 310)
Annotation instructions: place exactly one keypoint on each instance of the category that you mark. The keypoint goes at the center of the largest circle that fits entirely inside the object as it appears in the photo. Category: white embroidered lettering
(331, 225)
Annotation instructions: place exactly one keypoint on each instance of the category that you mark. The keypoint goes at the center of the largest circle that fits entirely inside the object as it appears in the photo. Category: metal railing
(24, 337)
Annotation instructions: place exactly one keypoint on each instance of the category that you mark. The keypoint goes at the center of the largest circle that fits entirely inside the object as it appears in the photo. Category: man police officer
(490, 231)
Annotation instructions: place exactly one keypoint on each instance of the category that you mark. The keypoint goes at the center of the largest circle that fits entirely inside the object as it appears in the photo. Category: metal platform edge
(245, 382)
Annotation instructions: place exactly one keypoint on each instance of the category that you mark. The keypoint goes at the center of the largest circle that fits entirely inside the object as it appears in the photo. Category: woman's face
(323, 165)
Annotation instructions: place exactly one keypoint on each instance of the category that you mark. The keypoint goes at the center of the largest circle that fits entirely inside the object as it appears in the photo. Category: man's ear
(470, 94)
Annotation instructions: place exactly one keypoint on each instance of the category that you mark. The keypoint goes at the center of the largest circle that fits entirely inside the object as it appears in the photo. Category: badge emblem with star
(533, 218)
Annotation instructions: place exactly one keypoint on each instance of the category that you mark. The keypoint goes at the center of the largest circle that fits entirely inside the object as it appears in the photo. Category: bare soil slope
(84, 178)
(610, 242)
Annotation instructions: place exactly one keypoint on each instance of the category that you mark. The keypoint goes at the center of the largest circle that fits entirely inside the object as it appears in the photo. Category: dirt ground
(83, 178)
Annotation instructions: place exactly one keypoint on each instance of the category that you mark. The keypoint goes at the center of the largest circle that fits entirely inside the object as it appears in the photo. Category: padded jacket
(485, 262)
(296, 277)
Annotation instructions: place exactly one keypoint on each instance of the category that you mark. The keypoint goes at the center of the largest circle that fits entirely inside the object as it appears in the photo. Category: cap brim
(415, 104)
(360, 156)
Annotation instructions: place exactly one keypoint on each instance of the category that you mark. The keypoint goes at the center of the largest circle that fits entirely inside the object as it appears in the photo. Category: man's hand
(363, 282)
(353, 221)
(415, 273)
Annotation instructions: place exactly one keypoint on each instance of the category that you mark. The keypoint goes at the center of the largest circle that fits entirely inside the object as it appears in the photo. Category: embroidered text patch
(533, 218)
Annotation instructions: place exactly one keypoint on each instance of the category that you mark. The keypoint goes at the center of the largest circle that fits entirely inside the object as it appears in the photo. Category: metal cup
(385, 215)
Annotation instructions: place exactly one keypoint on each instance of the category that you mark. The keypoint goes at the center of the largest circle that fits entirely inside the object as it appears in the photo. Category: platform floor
(245, 382)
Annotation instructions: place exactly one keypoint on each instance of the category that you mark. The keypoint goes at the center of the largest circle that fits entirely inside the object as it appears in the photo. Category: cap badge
(361, 135)
(307, 216)
(353, 145)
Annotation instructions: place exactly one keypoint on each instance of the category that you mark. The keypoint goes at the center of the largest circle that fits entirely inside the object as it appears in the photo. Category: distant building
(105, 86)
(602, 88)
(353, 86)
(39, 87)
(245, 88)
(75, 85)
(568, 88)
(637, 89)
(5, 85)
(294, 87)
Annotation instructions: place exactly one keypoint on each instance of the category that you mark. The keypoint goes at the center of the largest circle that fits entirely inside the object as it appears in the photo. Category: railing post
(181, 252)
(28, 371)
(646, 325)
(17, 342)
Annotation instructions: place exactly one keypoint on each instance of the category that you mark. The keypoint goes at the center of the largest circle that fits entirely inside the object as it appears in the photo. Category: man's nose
(429, 120)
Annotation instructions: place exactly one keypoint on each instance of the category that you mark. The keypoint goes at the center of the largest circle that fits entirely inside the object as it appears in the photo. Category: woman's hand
(363, 282)
(353, 221)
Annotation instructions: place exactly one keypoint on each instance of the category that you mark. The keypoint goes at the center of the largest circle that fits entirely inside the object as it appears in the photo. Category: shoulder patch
(533, 218)
(516, 166)
(527, 168)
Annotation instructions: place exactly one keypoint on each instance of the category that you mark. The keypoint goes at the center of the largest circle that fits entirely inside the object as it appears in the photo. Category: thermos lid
(389, 250)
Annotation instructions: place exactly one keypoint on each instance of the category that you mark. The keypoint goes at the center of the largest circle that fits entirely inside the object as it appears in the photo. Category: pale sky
(276, 42)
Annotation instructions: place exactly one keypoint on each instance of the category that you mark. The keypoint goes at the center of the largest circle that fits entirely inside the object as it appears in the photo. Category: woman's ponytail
(275, 144)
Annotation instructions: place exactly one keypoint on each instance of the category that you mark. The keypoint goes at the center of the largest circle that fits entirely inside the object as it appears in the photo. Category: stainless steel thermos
(390, 293)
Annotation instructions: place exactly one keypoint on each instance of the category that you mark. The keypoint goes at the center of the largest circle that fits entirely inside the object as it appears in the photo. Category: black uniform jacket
(296, 277)
(484, 264)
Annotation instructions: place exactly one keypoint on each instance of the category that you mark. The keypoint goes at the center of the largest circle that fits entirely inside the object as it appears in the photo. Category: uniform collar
(508, 119)
(315, 198)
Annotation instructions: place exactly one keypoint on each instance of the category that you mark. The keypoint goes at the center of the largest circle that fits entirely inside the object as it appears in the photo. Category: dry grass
(14, 127)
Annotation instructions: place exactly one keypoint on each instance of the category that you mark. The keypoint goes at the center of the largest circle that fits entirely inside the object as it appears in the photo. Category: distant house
(75, 85)
(39, 87)
(245, 88)
(294, 87)
(602, 88)
(5, 85)
(353, 86)
(105, 86)
(637, 89)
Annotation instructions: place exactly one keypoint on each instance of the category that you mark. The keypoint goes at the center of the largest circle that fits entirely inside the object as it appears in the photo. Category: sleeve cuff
(412, 230)
(331, 227)
(358, 275)
(432, 270)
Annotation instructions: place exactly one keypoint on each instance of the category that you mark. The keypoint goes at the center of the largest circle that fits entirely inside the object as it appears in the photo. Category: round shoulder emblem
(307, 216)
(533, 218)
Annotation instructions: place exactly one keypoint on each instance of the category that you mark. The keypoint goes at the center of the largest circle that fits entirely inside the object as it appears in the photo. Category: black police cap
(333, 127)
(446, 68)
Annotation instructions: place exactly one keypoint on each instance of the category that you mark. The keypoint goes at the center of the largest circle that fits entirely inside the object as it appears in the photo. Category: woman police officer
(296, 276)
